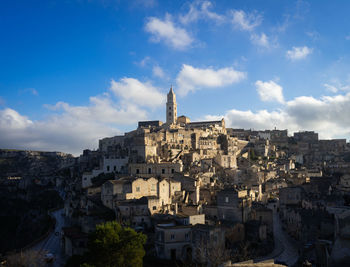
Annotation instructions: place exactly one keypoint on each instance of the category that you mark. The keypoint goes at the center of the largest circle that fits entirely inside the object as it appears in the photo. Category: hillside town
(213, 195)
(209, 195)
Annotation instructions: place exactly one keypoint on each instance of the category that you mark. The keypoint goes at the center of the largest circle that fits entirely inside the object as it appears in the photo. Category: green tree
(113, 245)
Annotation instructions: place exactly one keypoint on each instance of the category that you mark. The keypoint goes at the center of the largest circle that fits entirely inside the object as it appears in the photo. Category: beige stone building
(162, 169)
(135, 188)
(173, 241)
(127, 188)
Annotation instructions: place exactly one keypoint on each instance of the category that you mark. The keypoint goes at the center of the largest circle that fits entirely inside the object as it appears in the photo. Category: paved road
(52, 243)
(286, 249)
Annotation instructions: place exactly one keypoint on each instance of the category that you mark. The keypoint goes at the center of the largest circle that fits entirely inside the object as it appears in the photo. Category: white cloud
(262, 119)
(134, 91)
(331, 88)
(282, 26)
(260, 40)
(269, 91)
(298, 53)
(245, 21)
(248, 22)
(158, 71)
(104, 110)
(192, 79)
(336, 86)
(165, 30)
(144, 61)
(314, 35)
(327, 115)
(200, 10)
(32, 91)
(12, 119)
(72, 128)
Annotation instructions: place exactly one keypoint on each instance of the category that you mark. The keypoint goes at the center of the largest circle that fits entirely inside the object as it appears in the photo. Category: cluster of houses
(203, 192)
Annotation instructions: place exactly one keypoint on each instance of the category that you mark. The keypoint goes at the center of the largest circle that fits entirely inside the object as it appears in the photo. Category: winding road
(52, 243)
(286, 249)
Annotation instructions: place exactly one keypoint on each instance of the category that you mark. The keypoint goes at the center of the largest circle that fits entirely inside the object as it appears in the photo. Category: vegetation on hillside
(112, 245)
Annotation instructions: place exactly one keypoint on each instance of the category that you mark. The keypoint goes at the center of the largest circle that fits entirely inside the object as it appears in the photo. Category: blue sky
(75, 71)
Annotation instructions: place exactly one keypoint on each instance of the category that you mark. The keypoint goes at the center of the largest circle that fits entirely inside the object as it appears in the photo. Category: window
(137, 189)
(169, 113)
(187, 236)
(153, 188)
(115, 168)
(163, 171)
(149, 170)
(169, 108)
(172, 236)
(154, 208)
(108, 168)
(226, 199)
(137, 171)
(172, 170)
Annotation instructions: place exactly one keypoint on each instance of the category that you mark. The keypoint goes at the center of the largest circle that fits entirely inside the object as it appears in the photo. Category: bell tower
(171, 108)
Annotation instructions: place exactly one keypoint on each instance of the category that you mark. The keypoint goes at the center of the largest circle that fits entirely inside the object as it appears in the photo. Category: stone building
(127, 188)
(173, 241)
(173, 236)
(162, 169)
(264, 216)
(233, 205)
(290, 195)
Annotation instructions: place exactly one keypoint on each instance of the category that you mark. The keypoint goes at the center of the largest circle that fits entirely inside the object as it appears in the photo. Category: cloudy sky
(75, 71)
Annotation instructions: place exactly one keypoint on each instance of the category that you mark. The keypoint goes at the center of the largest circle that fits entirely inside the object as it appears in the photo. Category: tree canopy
(113, 245)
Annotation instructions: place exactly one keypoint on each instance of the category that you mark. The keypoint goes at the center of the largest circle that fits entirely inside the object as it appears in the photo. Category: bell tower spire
(171, 107)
